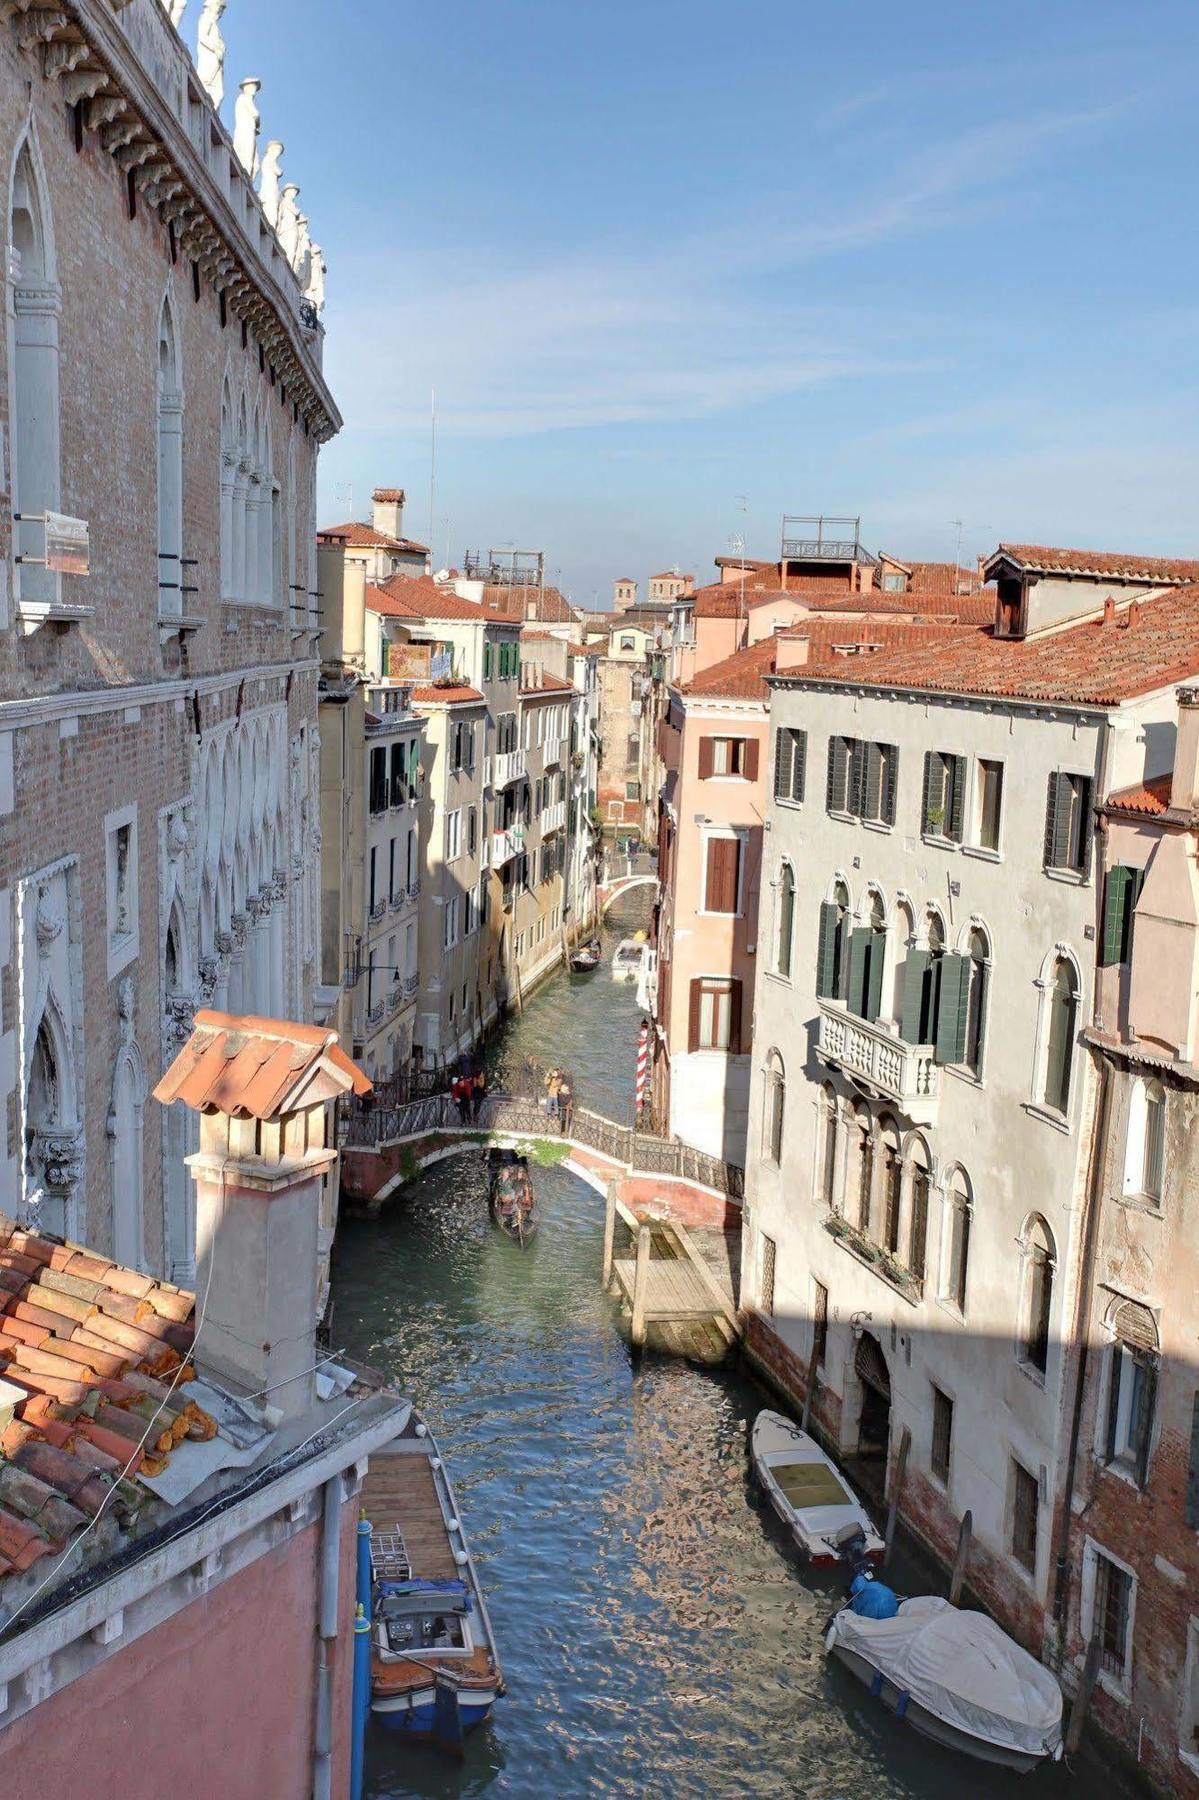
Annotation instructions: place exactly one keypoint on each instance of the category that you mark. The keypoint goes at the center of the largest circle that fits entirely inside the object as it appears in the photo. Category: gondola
(586, 958)
(510, 1195)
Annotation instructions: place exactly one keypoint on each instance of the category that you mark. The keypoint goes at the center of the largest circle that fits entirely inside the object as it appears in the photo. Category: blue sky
(674, 270)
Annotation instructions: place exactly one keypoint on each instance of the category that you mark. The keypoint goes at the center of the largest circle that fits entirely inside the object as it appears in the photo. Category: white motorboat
(629, 958)
(957, 1677)
(808, 1491)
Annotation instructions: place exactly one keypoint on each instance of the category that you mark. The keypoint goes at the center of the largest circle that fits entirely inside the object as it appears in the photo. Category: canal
(657, 1638)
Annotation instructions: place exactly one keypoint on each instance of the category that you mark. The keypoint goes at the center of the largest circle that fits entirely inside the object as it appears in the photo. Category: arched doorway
(874, 1420)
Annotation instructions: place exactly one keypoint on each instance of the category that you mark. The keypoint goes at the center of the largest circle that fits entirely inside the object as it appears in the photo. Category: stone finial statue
(270, 174)
(301, 262)
(175, 10)
(315, 291)
(245, 126)
(210, 52)
(288, 224)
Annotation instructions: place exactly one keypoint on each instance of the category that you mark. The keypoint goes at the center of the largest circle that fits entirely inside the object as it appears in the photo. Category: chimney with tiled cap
(1184, 786)
(263, 1089)
(791, 651)
(388, 511)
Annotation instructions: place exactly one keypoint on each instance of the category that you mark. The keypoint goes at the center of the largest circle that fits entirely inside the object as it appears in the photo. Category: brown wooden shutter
(693, 1015)
(707, 750)
(750, 770)
(721, 886)
(734, 1018)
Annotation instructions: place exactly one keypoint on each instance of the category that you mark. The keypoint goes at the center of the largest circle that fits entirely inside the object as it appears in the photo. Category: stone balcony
(892, 1069)
(553, 817)
(509, 766)
(506, 844)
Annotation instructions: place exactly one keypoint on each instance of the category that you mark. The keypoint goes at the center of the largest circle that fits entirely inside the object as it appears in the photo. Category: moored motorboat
(808, 1491)
(628, 959)
(510, 1194)
(954, 1676)
(586, 958)
(434, 1668)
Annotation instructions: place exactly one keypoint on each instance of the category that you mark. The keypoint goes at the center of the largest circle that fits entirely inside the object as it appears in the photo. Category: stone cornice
(83, 47)
(43, 709)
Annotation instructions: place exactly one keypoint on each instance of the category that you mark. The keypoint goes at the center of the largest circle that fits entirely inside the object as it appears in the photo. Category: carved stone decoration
(259, 906)
(301, 262)
(181, 1016)
(210, 978)
(178, 836)
(226, 943)
(210, 52)
(315, 290)
(288, 226)
(270, 178)
(246, 125)
(50, 920)
(279, 885)
(238, 925)
(126, 1006)
(56, 1157)
(175, 12)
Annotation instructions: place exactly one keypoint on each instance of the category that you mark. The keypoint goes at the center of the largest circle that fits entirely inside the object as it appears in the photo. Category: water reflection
(657, 1636)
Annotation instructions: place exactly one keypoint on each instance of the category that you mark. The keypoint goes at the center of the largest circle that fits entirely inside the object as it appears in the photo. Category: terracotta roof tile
(550, 607)
(257, 1067)
(419, 597)
(548, 686)
(1149, 799)
(396, 496)
(743, 675)
(448, 695)
(1044, 559)
(357, 536)
(1146, 645)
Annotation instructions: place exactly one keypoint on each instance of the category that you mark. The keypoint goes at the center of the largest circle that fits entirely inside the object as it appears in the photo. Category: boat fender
(901, 1705)
(876, 1684)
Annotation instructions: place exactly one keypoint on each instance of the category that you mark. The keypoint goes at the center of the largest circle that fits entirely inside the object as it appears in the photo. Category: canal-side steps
(668, 1284)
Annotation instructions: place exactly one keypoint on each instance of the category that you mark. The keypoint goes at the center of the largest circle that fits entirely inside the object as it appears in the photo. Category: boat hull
(927, 1723)
(774, 1443)
(414, 1715)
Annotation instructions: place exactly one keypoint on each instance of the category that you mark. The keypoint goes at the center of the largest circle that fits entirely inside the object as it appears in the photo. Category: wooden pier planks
(399, 1491)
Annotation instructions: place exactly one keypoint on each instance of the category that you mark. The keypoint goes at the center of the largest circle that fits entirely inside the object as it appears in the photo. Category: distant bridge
(625, 885)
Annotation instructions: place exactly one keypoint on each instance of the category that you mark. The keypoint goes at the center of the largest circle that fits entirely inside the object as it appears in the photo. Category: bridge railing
(636, 1150)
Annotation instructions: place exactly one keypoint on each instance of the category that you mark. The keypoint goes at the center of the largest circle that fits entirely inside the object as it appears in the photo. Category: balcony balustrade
(509, 766)
(892, 1069)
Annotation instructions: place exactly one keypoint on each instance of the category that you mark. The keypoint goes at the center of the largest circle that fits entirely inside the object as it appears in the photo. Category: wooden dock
(398, 1493)
(663, 1280)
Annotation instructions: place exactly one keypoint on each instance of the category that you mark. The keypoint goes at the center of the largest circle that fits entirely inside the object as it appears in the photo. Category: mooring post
(897, 1480)
(1082, 1700)
(809, 1397)
(640, 1282)
(960, 1560)
(609, 1232)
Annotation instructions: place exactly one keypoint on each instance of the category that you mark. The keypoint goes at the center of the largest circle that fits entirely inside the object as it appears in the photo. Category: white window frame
(1118, 1686)
(453, 835)
(970, 843)
(707, 833)
(122, 946)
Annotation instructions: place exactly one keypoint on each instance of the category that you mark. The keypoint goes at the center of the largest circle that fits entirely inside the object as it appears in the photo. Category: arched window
(864, 1173)
(959, 1201)
(775, 1101)
(33, 391)
(922, 985)
(979, 981)
(920, 1180)
(903, 926)
(1059, 1057)
(841, 941)
(170, 465)
(786, 920)
(826, 1152)
(1145, 1147)
(1132, 1390)
(867, 953)
(1039, 1262)
(892, 1184)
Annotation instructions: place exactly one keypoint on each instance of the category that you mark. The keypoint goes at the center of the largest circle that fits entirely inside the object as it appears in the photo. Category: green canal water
(657, 1637)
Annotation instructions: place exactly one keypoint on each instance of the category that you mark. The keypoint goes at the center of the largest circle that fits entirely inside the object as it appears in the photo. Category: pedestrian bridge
(609, 896)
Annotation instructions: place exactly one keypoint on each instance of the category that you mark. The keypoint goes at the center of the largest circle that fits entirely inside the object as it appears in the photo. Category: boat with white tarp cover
(955, 1676)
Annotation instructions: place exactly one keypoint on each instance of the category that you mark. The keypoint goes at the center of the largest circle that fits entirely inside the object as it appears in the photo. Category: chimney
(388, 511)
(791, 651)
(1109, 609)
(262, 1088)
(1134, 616)
(1184, 788)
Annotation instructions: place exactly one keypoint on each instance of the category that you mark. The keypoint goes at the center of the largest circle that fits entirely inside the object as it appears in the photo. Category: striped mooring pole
(642, 1065)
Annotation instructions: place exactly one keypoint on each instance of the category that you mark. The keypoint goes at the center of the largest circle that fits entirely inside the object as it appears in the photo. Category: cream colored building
(379, 546)
(161, 385)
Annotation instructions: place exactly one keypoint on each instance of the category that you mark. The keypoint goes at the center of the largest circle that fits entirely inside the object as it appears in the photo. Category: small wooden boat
(628, 959)
(954, 1676)
(808, 1491)
(510, 1194)
(434, 1669)
(586, 958)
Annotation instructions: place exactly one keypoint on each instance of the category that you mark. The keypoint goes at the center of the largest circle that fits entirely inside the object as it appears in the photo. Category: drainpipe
(362, 1660)
(1082, 1326)
(330, 1569)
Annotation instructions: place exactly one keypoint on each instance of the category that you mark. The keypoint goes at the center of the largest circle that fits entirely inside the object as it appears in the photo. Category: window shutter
(914, 971)
(890, 780)
(707, 754)
(1086, 826)
(733, 867)
(956, 766)
(1146, 1399)
(857, 777)
(782, 763)
(1053, 807)
(953, 1009)
(694, 998)
(859, 948)
(1192, 1503)
(874, 978)
(750, 765)
(838, 757)
(870, 804)
(1116, 1366)
(826, 954)
(1062, 847)
(1115, 914)
(931, 762)
(799, 762)
(735, 1018)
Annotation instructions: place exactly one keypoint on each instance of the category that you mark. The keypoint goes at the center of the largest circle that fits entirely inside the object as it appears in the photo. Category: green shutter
(1145, 1401)
(1052, 809)
(858, 759)
(871, 805)
(826, 954)
(1087, 827)
(956, 767)
(890, 781)
(953, 1009)
(799, 763)
(931, 761)
(782, 772)
(859, 951)
(836, 797)
(914, 970)
(1115, 915)
(1192, 1505)
(874, 974)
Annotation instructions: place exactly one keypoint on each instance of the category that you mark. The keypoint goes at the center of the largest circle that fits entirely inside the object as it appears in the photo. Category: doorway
(874, 1420)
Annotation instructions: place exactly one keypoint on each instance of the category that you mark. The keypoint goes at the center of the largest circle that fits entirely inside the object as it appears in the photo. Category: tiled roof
(357, 536)
(1146, 645)
(1042, 559)
(743, 675)
(449, 695)
(719, 600)
(258, 1068)
(943, 578)
(1149, 799)
(549, 604)
(419, 597)
(747, 562)
(671, 575)
(90, 1352)
(962, 609)
(390, 496)
(549, 684)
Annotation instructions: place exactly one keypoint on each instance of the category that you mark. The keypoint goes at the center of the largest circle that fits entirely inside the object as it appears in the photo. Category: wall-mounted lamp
(858, 1322)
